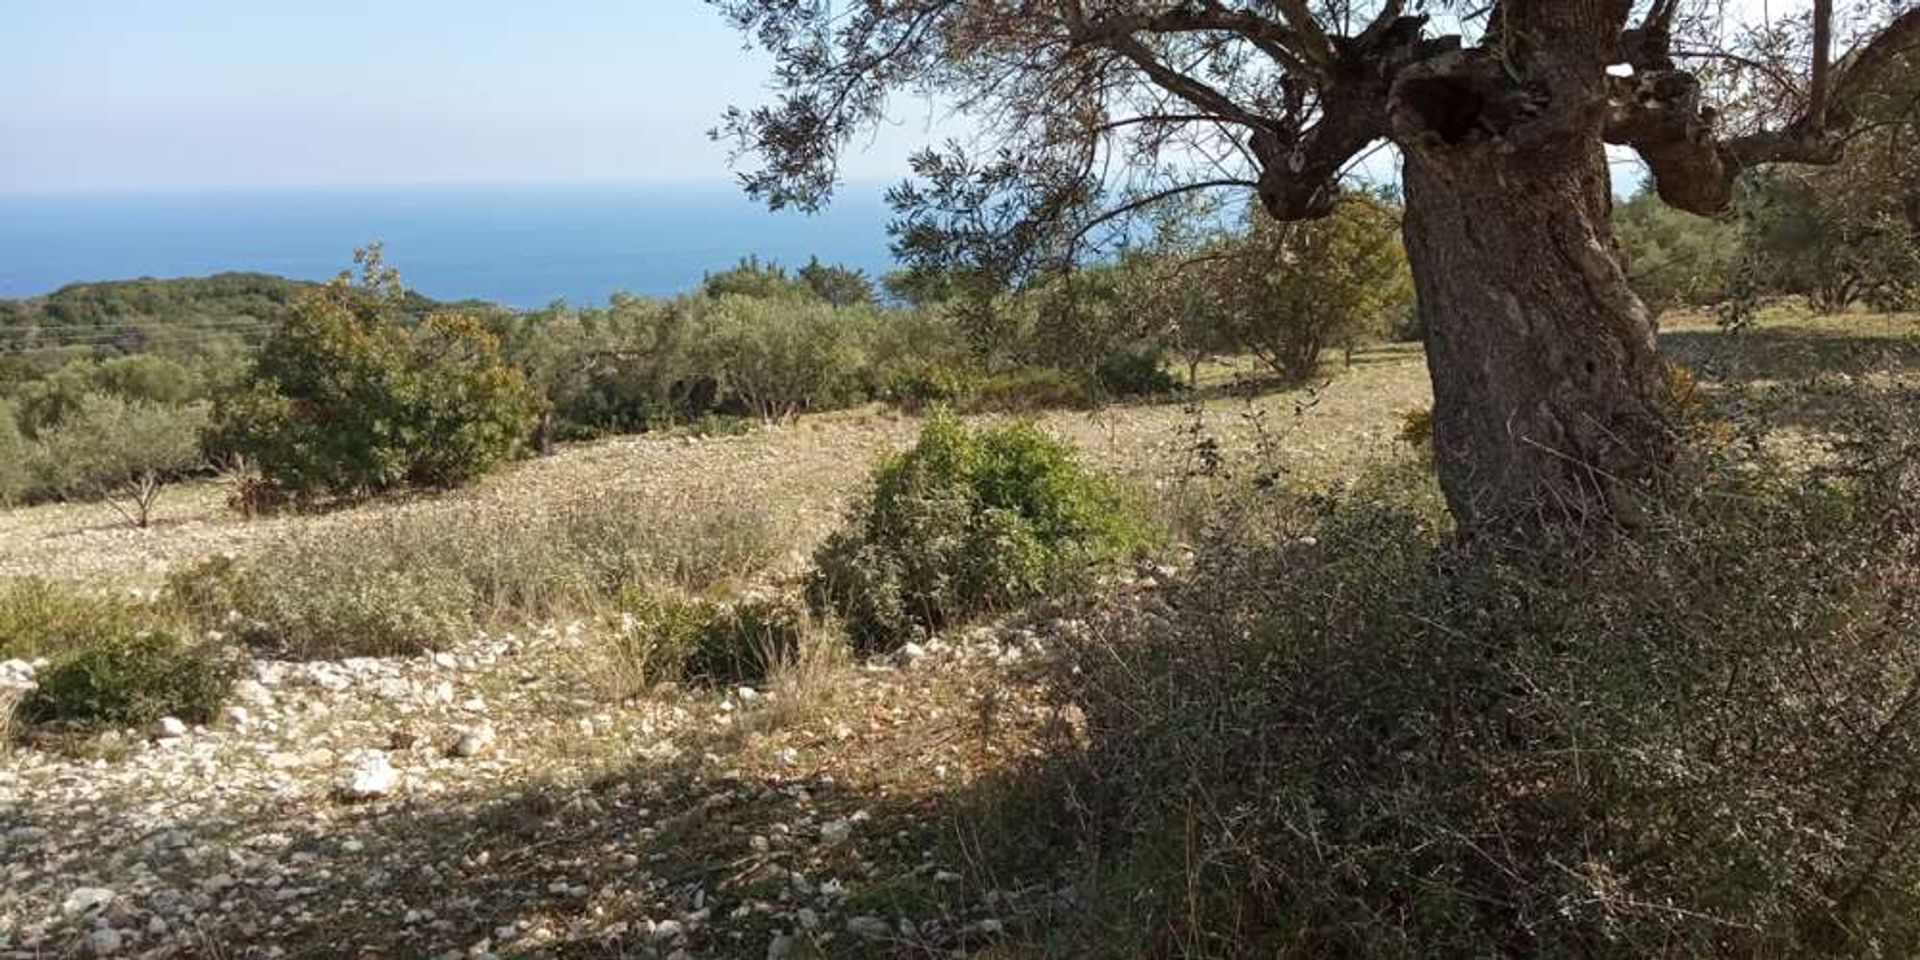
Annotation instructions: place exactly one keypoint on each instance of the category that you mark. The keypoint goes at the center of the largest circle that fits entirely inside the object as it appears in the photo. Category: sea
(523, 246)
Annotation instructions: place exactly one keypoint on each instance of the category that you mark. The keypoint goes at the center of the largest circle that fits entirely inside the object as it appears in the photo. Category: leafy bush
(1136, 370)
(347, 401)
(1361, 738)
(132, 678)
(1674, 258)
(967, 522)
(119, 450)
(111, 660)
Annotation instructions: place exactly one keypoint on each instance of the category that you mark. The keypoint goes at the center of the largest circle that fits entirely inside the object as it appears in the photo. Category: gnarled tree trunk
(1548, 391)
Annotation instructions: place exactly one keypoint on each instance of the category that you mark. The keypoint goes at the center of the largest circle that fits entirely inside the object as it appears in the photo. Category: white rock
(835, 832)
(253, 692)
(474, 741)
(869, 928)
(86, 900)
(235, 716)
(780, 947)
(747, 694)
(669, 930)
(168, 728)
(371, 776)
(911, 652)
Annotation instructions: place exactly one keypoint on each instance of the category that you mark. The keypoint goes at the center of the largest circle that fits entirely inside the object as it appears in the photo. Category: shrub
(15, 478)
(316, 599)
(1028, 390)
(111, 660)
(1138, 370)
(1361, 738)
(120, 450)
(1285, 292)
(673, 637)
(967, 522)
(345, 400)
(131, 679)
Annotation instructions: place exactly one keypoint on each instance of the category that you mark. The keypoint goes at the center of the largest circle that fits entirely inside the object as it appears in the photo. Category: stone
(105, 942)
(780, 947)
(371, 776)
(474, 741)
(910, 653)
(869, 928)
(835, 832)
(86, 900)
(253, 692)
(236, 716)
(169, 728)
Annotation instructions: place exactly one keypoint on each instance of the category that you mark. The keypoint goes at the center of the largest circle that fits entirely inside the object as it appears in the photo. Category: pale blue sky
(115, 95)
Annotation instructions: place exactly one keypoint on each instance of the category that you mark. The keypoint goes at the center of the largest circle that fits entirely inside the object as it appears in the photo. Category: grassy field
(842, 808)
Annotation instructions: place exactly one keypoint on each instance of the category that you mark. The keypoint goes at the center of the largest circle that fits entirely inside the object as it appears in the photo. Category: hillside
(149, 312)
(542, 803)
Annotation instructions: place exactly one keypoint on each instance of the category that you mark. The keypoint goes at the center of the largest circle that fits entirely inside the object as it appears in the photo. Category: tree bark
(1549, 394)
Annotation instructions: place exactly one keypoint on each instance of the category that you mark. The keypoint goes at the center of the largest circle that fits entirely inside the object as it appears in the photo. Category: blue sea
(525, 246)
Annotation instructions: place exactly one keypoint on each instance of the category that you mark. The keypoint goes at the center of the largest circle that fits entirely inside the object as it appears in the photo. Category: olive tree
(1548, 388)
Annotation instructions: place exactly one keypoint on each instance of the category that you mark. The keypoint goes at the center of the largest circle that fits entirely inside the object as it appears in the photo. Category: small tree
(781, 356)
(344, 400)
(1288, 291)
(1674, 258)
(121, 451)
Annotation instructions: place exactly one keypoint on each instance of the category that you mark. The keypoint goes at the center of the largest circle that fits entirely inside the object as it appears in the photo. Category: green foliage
(780, 357)
(1674, 258)
(836, 285)
(105, 446)
(967, 522)
(16, 478)
(132, 678)
(1027, 390)
(110, 660)
(1285, 292)
(346, 401)
(40, 617)
(1696, 741)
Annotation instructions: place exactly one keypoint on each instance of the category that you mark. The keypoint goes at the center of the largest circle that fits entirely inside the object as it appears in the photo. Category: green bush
(1360, 737)
(133, 678)
(1137, 370)
(111, 660)
(967, 522)
(778, 357)
(345, 400)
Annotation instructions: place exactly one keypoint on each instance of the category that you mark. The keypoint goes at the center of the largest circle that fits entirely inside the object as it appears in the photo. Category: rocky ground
(485, 801)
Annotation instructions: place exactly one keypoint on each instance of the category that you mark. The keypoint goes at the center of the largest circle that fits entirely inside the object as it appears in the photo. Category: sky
(143, 95)
(105, 96)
